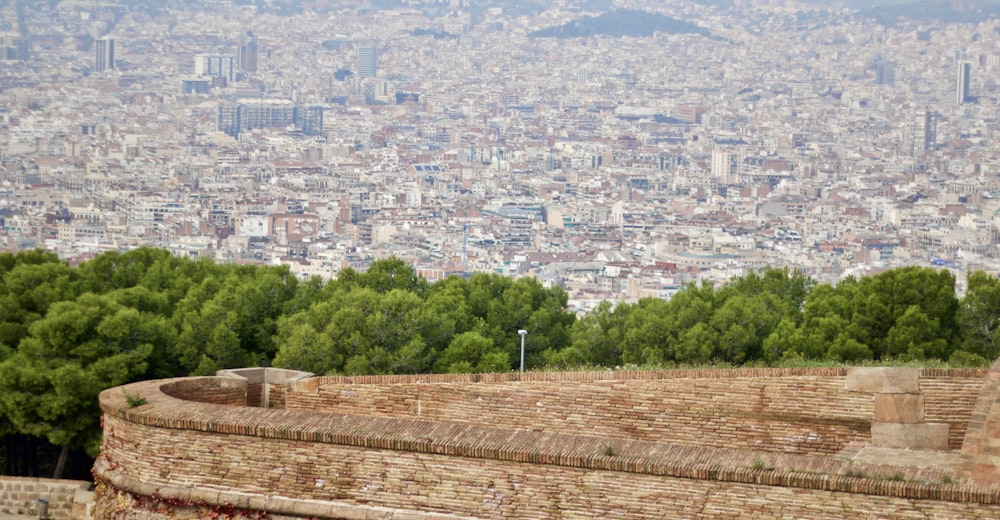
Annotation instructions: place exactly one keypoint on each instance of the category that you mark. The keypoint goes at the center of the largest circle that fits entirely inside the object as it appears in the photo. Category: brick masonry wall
(255, 395)
(277, 395)
(982, 439)
(494, 470)
(798, 411)
(949, 397)
(486, 488)
(20, 496)
(214, 390)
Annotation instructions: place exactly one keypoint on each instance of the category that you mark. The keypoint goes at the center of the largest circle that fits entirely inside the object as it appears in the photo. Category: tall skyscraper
(105, 59)
(962, 82)
(248, 56)
(924, 132)
(368, 59)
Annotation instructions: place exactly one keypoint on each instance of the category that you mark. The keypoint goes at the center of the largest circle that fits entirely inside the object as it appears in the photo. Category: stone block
(883, 380)
(312, 508)
(926, 436)
(348, 512)
(899, 408)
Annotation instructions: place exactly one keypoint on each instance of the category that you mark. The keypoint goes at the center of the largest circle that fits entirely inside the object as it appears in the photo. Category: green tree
(28, 290)
(647, 327)
(827, 311)
(885, 298)
(113, 270)
(741, 325)
(978, 316)
(231, 321)
(696, 345)
(49, 387)
(784, 342)
(387, 274)
(446, 312)
(787, 291)
(470, 352)
(364, 333)
(596, 338)
(915, 336)
(394, 325)
(847, 350)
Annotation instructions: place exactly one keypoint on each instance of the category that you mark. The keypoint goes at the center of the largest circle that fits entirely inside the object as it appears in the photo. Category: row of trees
(66, 333)
(775, 316)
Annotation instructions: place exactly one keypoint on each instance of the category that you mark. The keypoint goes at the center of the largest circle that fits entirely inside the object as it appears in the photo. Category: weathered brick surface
(804, 411)
(255, 394)
(734, 411)
(950, 399)
(206, 390)
(982, 439)
(276, 396)
(20, 496)
(489, 488)
(394, 443)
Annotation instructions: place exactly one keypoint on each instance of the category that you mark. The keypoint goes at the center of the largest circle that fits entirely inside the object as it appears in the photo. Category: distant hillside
(620, 22)
(962, 11)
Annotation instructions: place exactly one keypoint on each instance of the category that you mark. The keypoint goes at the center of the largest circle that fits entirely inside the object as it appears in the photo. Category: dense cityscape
(509, 138)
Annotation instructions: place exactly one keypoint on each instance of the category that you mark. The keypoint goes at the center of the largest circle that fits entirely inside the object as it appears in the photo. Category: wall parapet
(804, 410)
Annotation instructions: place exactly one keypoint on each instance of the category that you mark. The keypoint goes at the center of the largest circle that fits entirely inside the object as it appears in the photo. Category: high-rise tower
(248, 56)
(368, 59)
(105, 58)
(962, 82)
(924, 132)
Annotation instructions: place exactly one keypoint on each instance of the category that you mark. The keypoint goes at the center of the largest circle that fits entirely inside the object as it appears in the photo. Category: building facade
(368, 59)
(962, 82)
(105, 57)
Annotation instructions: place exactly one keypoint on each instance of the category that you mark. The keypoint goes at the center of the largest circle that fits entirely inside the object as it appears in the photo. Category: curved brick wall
(604, 444)
(789, 410)
(215, 390)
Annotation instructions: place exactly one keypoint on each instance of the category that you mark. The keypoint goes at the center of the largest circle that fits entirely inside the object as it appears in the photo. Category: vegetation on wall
(66, 333)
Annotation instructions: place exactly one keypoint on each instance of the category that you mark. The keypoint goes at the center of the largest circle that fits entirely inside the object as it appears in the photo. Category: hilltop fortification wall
(610, 444)
(787, 410)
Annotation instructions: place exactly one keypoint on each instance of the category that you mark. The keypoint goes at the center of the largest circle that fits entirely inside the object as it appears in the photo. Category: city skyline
(617, 167)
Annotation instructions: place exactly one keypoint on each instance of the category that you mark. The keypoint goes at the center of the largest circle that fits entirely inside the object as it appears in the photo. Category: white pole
(523, 333)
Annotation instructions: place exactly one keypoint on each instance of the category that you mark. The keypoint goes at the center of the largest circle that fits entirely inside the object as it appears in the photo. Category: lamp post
(523, 333)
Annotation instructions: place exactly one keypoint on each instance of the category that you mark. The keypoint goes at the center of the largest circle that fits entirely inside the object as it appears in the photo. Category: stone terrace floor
(944, 461)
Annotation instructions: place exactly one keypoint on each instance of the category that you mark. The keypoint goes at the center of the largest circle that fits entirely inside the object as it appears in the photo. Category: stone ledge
(883, 380)
(927, 436)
